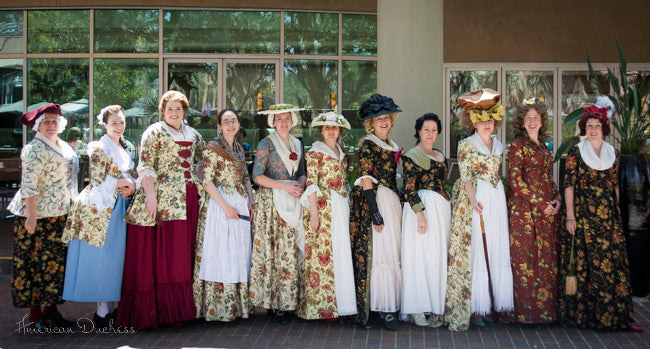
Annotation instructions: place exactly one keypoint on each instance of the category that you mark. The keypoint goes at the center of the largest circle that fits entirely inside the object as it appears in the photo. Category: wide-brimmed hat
(32, 118)
(482, 105)
(377, 105)
(330, 118)
(280, 109)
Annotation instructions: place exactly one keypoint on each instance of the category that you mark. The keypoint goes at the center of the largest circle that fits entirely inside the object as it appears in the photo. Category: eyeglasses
(229, 122)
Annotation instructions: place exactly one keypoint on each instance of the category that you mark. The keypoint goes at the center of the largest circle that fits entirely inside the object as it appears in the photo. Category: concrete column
(409, 65)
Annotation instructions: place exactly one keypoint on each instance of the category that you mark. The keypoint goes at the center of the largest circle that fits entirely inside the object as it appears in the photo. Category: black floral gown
(381, 164)
(603, 300)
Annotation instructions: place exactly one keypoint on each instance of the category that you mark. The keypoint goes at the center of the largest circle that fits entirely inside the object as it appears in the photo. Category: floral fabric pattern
(217, 301)
(269, 163)
(85, 221)
(603, 300)
(417, 178)
(38, 263)
(317, 287)
(533, 233)
(473, 165)
(46, 174)
(174, 164)
(381, 164)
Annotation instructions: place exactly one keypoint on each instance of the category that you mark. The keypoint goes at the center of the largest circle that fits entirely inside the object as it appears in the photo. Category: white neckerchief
(392, 147)
(477, 142)
(283, 152)
(606, 159)
(119, 155)
(321, 147)
(184, 135)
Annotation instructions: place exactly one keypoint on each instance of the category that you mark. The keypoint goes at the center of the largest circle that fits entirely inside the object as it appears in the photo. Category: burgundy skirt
(157, 285)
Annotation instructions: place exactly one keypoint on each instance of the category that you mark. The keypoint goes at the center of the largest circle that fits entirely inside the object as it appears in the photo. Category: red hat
(29, 118)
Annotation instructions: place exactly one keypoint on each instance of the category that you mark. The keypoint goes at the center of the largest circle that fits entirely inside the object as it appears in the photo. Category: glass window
(126, 31)
(578, 89)
(131, 83)
(191, 31)
(63, 81)
(461, 82)
(250, 86)
(359, 35)
(58, 31)
(11, 31)
(308, 33)
(11, 107)
(359, 83)
(521, 84)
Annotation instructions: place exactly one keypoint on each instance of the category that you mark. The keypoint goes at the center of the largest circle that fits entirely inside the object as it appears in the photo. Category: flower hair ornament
(603, 102)
(100, 117)
(330, 118)
(528, 101)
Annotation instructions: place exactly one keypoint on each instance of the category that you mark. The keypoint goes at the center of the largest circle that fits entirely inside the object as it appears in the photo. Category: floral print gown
(327, 282)
(603, 300)
(533, 233)
(381, 164)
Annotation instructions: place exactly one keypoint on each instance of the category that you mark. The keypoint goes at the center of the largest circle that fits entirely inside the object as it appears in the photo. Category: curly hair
(172, 95)
(520, 113)
(420, 122)
(582, 124)
(467, 124)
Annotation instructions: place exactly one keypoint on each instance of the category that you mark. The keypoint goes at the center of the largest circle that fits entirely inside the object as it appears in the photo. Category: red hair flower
(293, 156)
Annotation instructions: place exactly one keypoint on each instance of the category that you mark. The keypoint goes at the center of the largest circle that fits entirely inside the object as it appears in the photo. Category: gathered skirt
(424, 256)
(94, 274)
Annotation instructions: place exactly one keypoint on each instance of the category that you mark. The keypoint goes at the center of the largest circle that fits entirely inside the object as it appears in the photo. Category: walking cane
(485, 252)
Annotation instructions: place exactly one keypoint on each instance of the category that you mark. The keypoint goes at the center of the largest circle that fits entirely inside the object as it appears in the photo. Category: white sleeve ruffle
(101, 196)
(147, 172)
(358, 181)
(304, 199)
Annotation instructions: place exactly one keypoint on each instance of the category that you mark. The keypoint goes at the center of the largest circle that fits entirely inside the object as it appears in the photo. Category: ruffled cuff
(144, 173)
(358, 181)
(304, 199)
(418, 207)
(101, 196)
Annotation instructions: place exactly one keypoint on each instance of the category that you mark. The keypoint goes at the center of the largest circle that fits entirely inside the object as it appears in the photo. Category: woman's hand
(230, 212)
(250, 211)
(313, 222)
(378, 228)
(553, 207)
(477, 206)
(125, 187)
(422, 223)
(294, 189)
(152, 206)
(30, 224)
(571, 225)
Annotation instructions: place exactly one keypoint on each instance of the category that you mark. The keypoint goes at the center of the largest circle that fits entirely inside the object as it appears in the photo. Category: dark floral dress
(603, 300)
(381, 165)
(417, 178)
(533, 233)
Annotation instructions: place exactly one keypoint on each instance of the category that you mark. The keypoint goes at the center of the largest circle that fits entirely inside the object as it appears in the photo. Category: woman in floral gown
(478, 192)
(426, 219)
(223, 242)
(161, 235)
(49, 183)
(279, 170)
(593, 228)
(533, 204)
(376, 216)
(327, 280)
(95, 228)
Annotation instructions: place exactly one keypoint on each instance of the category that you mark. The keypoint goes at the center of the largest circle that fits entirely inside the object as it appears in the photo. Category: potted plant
(630, 122)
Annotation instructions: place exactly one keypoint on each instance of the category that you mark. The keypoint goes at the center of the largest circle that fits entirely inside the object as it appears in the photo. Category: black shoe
(389, 321)
(101, 322)
(281, 317)
(59, 321)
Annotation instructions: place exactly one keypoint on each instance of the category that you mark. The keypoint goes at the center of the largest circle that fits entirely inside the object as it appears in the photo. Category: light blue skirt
(94, 274)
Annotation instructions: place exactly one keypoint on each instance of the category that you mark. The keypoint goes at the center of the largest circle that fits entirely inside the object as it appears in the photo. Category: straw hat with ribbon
(281, 109)
(330, 118)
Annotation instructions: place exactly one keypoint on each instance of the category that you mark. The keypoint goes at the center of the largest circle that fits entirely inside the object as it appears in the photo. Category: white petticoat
(346, 300)
(424, 256)
(495, 217)
(226, 255)
(385, 274)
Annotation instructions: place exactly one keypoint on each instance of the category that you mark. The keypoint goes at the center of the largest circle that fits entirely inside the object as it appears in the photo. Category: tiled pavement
(260, 332)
